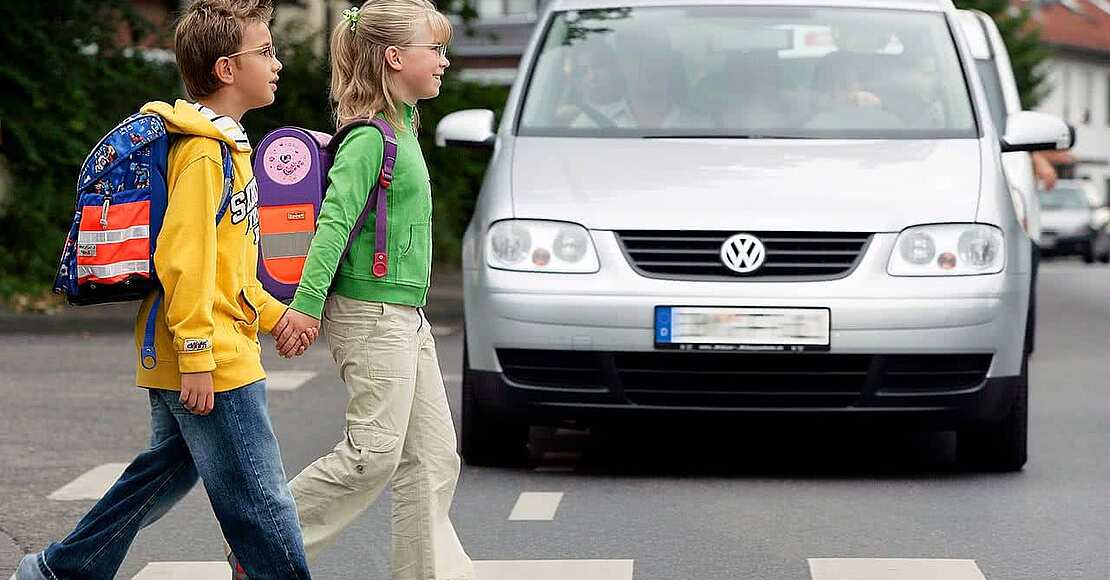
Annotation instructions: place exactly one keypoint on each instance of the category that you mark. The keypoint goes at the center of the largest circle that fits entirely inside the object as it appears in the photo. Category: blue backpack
(121, 202)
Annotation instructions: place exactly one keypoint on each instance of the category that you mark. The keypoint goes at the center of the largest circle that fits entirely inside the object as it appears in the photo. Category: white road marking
(536, 506)
(184, 571)
(554, 569)
(893, 569)
(93, 484)
(287, 380)
(485, 570)
(443, 330)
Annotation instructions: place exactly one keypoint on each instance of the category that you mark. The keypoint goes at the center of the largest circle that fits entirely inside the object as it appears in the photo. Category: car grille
(696, 379)
(695, 255)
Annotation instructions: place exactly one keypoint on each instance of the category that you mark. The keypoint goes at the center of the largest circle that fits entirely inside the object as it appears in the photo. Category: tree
(1023, 42)
(66, 78)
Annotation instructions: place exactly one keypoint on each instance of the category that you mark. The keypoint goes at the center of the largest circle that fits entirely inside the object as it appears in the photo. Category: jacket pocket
(225, 342)
(415, 258)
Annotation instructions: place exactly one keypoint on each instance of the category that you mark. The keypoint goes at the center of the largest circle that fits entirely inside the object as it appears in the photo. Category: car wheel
(1003, 445)
(1089, 253)
(488, 438)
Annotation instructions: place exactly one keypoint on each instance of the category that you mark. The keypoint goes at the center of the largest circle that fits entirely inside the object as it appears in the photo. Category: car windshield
(1062, 198)
(747, 72)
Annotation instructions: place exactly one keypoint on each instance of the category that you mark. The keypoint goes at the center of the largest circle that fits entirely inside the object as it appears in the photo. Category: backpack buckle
(385, 180)
(381, 265)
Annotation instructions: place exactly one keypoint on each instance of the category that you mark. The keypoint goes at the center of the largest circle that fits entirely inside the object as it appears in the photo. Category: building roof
(1079, 24)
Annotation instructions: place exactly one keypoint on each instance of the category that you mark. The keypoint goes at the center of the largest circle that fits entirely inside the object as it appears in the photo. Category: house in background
(1079, 74)
(488, 49)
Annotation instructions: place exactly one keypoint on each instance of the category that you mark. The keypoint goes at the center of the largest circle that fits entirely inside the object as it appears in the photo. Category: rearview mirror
(1033, 131)
(469, 128)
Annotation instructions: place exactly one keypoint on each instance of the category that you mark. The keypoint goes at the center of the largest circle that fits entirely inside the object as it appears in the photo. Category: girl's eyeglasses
(268, 51)
(440, 48)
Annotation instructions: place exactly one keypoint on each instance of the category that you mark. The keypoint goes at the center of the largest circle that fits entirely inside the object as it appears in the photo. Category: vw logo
(743, 253)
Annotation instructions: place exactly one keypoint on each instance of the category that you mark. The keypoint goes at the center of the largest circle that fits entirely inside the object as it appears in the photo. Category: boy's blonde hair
(361, 85)
(209, 29)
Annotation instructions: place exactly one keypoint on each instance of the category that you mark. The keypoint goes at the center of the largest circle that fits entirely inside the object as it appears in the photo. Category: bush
(66, 83)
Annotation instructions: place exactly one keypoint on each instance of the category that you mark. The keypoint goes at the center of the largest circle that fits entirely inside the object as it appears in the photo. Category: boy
(207, 391)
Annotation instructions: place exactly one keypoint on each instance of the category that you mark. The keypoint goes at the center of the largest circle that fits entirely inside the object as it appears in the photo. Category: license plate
(747, 329)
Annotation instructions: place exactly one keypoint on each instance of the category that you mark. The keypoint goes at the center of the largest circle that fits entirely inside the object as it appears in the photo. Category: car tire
(488, 438)
(1089, 253)
(1003, 445)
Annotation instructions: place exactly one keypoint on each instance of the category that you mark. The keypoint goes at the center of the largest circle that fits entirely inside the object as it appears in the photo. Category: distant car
(1075, 222)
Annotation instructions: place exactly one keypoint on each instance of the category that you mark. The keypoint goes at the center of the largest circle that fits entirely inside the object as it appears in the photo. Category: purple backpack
(291, 167)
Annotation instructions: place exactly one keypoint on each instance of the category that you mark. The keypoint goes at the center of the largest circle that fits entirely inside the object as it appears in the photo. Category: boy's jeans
(235, 454)
(399, 433)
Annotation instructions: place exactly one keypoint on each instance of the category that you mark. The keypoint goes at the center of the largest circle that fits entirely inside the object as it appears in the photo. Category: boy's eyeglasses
(268, 51)
(440, 48)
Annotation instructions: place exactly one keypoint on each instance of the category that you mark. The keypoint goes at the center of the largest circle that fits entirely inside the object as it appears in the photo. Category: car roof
(922, 5)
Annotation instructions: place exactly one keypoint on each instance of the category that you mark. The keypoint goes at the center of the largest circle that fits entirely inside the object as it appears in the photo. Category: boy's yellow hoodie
(213, 305)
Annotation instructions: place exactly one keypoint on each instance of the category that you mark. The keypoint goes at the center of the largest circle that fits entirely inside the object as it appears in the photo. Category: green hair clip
(351, 15)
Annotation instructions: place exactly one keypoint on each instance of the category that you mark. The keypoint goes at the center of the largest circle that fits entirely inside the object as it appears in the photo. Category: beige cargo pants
(399, 432)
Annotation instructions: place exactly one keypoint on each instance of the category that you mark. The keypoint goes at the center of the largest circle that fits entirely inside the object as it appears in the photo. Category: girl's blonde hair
(361, 85)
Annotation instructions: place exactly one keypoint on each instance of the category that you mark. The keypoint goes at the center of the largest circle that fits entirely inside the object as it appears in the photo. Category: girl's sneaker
(237, 571)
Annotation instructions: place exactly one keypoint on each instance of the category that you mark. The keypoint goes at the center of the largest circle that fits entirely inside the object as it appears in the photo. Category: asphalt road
(673, 502)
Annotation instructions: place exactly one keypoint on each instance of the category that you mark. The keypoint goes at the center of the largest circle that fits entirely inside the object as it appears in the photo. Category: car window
(1061, 198)
(746, 71)
(992, 86)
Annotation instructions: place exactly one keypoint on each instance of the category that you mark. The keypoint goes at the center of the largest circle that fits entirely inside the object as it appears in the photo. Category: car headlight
(948, 250)
(541, 246)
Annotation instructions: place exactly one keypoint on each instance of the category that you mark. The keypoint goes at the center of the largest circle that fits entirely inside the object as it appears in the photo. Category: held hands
(294, 333)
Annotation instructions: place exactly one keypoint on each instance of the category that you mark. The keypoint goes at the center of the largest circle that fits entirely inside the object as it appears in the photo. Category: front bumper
(987, 400)
(940, 349)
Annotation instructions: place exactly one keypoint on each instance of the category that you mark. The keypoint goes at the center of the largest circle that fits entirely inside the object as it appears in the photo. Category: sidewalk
(445, 305)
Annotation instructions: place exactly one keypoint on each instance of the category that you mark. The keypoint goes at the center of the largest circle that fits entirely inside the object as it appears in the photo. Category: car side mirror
(470, 128)
(1033, 131)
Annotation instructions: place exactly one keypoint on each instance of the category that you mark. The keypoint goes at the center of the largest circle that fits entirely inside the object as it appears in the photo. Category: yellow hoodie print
(213, 306)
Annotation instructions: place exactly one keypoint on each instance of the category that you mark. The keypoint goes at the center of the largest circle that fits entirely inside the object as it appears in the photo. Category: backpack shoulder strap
(148, 357)
(229, 181)
(378, 197)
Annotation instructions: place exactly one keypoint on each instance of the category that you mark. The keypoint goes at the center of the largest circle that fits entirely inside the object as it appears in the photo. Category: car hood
(762, 185)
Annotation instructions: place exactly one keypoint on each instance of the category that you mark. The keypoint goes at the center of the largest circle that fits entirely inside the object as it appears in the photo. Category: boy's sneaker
(29, 568)
(237, 571)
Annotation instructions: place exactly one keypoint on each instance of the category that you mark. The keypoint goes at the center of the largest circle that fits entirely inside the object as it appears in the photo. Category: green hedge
(59, 98)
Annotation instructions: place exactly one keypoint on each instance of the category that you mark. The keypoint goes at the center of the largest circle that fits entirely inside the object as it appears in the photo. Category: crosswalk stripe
(553, 569)
(893, 569)
(184, 571)
(90, 485)
(484, 569)
(536, 506)
(287, 380)
(442, 330)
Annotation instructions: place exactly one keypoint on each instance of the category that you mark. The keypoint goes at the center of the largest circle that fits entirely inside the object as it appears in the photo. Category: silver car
(733, 208)
(1076, 222)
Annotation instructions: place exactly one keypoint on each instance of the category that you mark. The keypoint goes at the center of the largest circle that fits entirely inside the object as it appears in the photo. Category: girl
(387, 55)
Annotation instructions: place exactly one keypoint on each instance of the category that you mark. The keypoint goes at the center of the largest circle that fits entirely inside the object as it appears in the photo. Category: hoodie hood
(185, 118)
